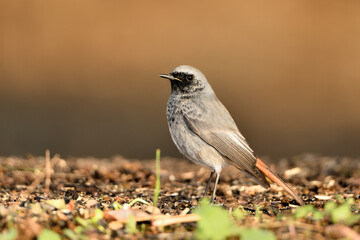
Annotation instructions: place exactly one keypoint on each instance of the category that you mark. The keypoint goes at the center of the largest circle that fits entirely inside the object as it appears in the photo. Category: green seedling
(303, 211)
(337, 213)
(342, 213)
(138, 200)
(131, 225)
(89, 224)
(47, 234)
(117, 206)
(339, 198)
(317, 215)
(70, 234)
(258, 213)
(92, 222)
(157, 182)
(97, 216)
(143, 228)
(239, 214)
(214, 223)
(73, 235)
(81, 221)
(308, 211)
(256, 233)
(10, 234)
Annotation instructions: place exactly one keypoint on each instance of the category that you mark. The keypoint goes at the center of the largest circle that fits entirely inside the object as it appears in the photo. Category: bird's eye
(189, 77)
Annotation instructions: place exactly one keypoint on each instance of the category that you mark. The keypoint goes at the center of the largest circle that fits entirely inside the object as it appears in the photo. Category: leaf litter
(116, 198)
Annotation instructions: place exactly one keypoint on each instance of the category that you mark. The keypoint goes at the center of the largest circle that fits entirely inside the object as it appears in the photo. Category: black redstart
(204, 131)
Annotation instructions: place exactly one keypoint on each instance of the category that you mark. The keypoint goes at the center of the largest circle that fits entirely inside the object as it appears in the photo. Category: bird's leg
(216, 183)
(208, 184)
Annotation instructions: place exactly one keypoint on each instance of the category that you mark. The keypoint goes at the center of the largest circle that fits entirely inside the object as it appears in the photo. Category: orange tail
(275, 178)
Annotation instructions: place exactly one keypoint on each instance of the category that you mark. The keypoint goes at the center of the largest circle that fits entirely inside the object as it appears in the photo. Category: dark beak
(170, 77)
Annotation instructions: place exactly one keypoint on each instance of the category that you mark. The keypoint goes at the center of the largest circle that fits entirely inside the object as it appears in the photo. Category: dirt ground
(87, 184)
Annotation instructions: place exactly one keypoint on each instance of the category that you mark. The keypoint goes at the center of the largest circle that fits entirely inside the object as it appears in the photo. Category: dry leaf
(122, 215)
(91, 203)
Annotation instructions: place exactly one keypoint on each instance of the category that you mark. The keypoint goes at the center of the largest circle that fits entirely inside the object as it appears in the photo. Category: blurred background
(81, 77)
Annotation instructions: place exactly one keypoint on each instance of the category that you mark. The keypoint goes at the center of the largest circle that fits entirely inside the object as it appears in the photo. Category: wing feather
(211, 121)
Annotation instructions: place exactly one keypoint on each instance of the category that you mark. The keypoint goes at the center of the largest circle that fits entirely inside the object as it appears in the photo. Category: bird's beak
(170, 77)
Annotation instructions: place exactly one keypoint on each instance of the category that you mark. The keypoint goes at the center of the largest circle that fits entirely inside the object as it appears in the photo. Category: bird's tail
(264, 169)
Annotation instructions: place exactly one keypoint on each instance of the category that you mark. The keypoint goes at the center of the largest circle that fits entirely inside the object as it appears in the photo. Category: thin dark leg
(216, 183)
(208, 184)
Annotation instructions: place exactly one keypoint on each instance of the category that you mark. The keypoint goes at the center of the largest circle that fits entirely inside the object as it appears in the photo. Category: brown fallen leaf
(30, 228)
(226, 190)
(165, 220)
(61, 215)
(122, 215)
(152, 210)
(187, 175)
(341, 231)
(71, 205)
(115, 225)
(91, 203)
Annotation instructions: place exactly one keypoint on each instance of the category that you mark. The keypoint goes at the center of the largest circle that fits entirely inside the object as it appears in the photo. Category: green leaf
(79, 229)
(70, 234)
(81, 221)
(303, 211)
(340, 198)
(255, 233)
(280, 217)
(258, 213)
(117, 206)
(329, 207)
(317, 215)
(340, 214)
(239, 214)
(47, 234)
(11, 234)
(214, 223)
(343, 212)
(353, 219)
(131, 225)
(97, 216)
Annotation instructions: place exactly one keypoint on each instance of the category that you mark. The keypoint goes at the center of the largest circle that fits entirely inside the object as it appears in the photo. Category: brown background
(80, 77)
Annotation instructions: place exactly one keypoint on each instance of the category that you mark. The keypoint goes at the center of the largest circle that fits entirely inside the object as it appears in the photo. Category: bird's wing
(210, 120)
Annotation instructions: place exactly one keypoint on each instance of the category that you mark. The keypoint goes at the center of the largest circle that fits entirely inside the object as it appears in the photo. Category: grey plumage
(202, 128)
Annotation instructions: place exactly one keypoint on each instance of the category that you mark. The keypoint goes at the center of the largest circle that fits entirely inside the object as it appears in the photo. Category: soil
(90, 183)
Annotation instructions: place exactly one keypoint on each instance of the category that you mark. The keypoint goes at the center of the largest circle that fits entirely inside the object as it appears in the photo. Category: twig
(48, 171)
(164, 220)
(41, 176)
(292, 230)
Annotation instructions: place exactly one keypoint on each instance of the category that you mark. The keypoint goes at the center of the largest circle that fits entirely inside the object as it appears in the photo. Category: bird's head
(187, 80)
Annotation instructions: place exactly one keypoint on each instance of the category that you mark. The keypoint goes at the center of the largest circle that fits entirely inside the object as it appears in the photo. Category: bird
(205, 133)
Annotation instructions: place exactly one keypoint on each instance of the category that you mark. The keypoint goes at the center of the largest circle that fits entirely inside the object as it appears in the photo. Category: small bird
(205, 133)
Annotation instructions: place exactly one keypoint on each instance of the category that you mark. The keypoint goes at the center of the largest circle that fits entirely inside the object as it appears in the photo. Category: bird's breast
(188, 143)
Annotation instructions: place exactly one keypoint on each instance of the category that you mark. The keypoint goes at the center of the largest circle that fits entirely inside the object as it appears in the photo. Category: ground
(86, 198)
